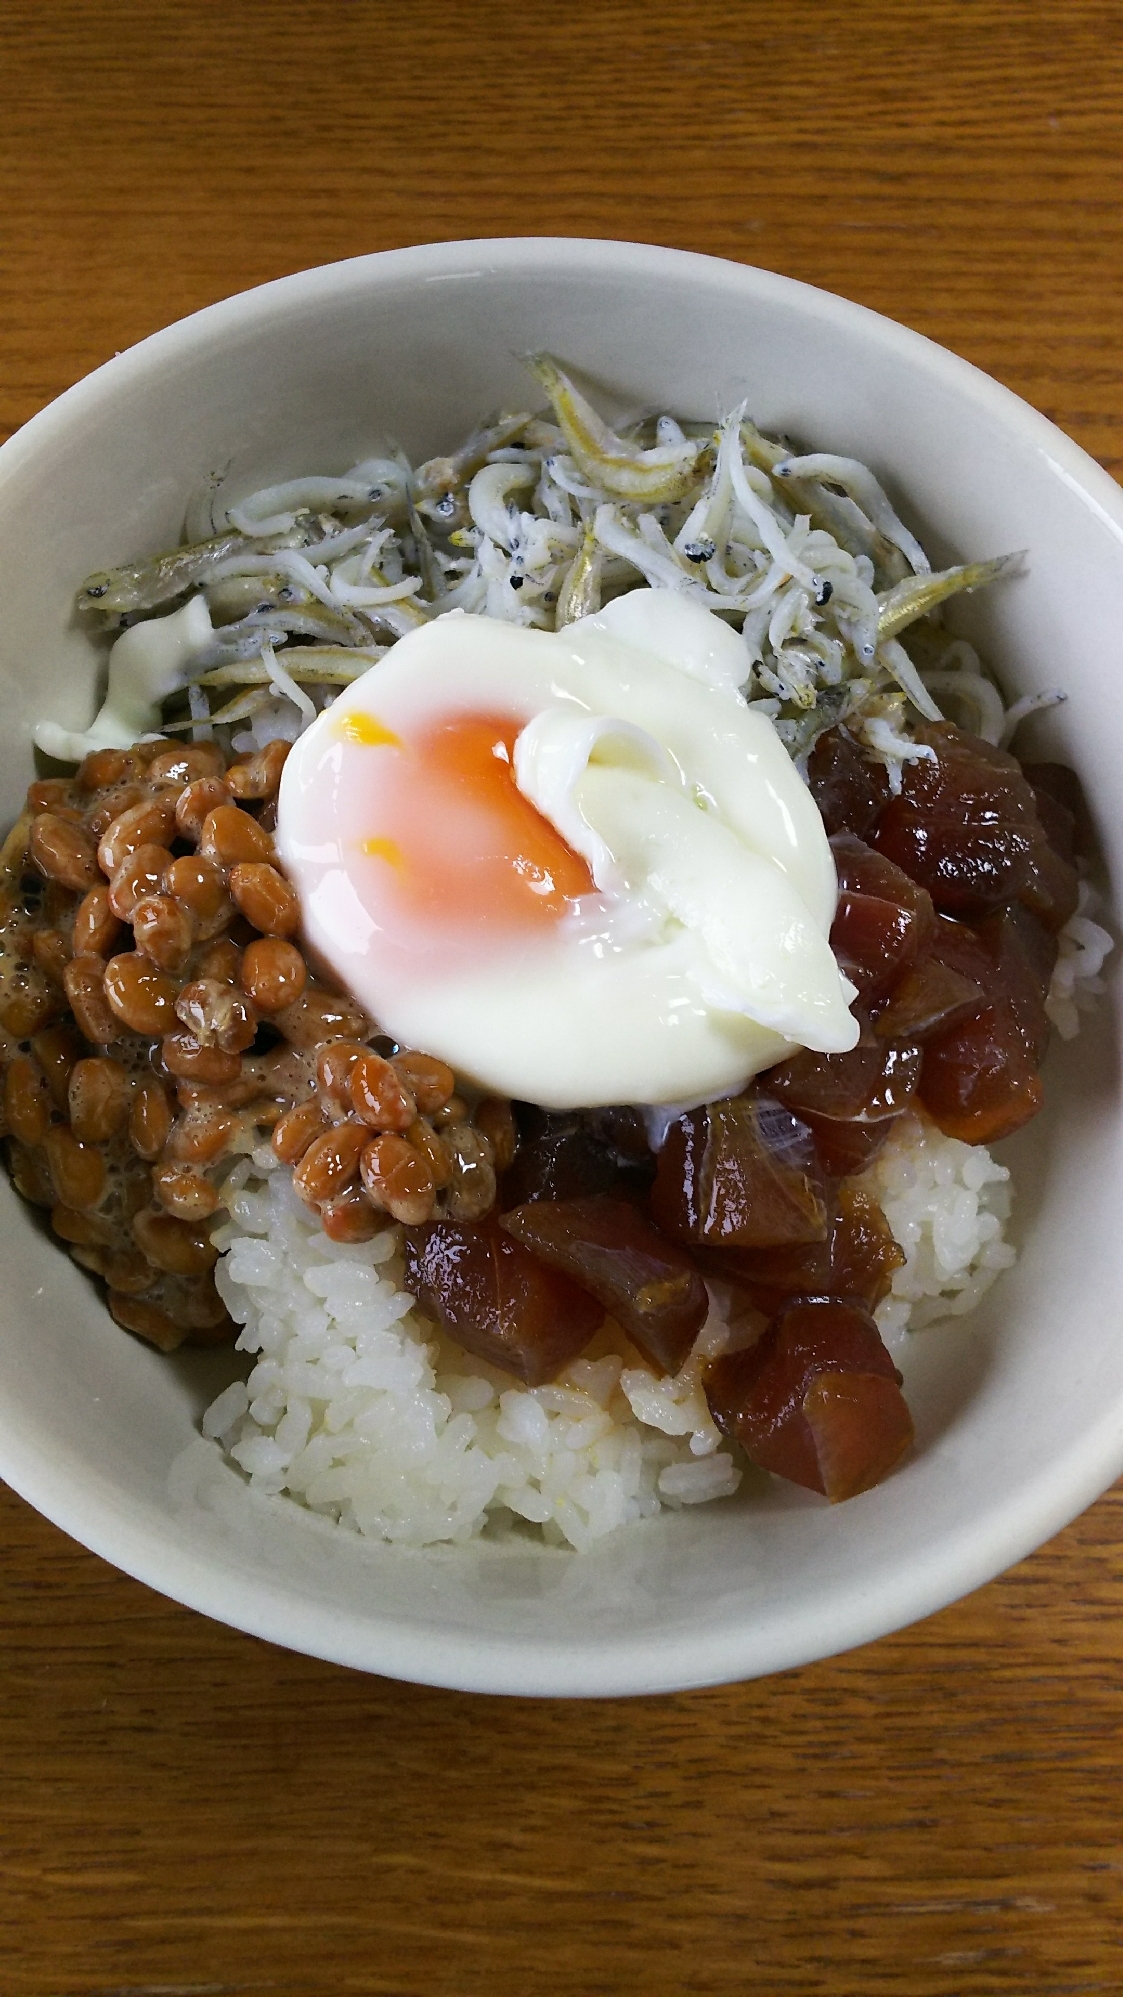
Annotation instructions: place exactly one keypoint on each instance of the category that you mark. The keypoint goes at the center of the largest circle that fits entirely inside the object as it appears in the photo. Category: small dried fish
(581, 591)
(442, 478)
(432, 576)
(146, 584)
(488, 501)
(860, 485)
(970, 700)
(1030, 703)
(312, 664)
(836, 513)
(241, 708)
(919, 594)
(375, 483)
(307, 665)
(665, 473)
(233, 645)
(892, 655)
(660, 570)
(799, 733)
(539, 520)
(378, 601)
(880, 724)
(235, 597)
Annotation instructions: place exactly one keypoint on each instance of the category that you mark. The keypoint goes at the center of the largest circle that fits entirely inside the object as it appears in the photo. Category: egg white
(702, 959)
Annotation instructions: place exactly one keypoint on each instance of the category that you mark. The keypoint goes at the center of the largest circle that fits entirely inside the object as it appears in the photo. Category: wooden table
(185, 1810)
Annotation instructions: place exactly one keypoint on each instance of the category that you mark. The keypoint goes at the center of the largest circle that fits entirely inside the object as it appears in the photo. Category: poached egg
(576, 865)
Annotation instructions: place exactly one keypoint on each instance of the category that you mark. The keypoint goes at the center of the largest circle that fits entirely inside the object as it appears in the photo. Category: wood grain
(185, 1810)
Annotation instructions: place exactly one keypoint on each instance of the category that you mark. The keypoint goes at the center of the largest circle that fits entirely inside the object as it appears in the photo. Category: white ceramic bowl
(1019, 1413)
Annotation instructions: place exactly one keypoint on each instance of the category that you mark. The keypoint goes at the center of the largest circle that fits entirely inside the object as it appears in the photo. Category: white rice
(947, 1204)
(359, 1410)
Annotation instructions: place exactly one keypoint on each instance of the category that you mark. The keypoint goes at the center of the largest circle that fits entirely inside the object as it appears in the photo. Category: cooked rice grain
(1077, 982)
(359, 1410)
(947, 1204)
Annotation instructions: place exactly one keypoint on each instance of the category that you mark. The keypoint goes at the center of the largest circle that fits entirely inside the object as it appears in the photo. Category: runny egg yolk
(463, 843)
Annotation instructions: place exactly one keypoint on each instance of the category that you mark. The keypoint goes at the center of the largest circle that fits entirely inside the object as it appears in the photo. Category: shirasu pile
(298, 588)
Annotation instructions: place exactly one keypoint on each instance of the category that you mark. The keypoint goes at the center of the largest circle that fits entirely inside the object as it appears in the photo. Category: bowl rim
(393, 1645)
(462, 258)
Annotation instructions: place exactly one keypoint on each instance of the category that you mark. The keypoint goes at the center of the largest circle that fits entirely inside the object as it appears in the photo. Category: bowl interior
(1020, 1411)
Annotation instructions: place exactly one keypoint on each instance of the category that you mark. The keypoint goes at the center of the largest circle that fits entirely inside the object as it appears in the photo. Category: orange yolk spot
(383, 849)
(367, 731)
(467, 846)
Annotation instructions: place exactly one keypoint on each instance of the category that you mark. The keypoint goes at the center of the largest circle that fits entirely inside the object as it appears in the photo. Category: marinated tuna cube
(882, 921)
(648, 1284)
(979, 1080)
(623, 1133)
(1061, 807)
(740, 1173)
(844, 1148)
(856, 1261)
(972, 830)
(861, 869)
(929, 999)
(1052, 885)
(878, 1078)
(873, 941)
(966, 775)
(848, 790)
(1022, 953)
(967, 868)
(965, 824)
(816, 1400)
(570, 1155)
(497, 1300)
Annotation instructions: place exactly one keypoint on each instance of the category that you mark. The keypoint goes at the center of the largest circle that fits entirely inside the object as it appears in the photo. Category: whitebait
(541, 520)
